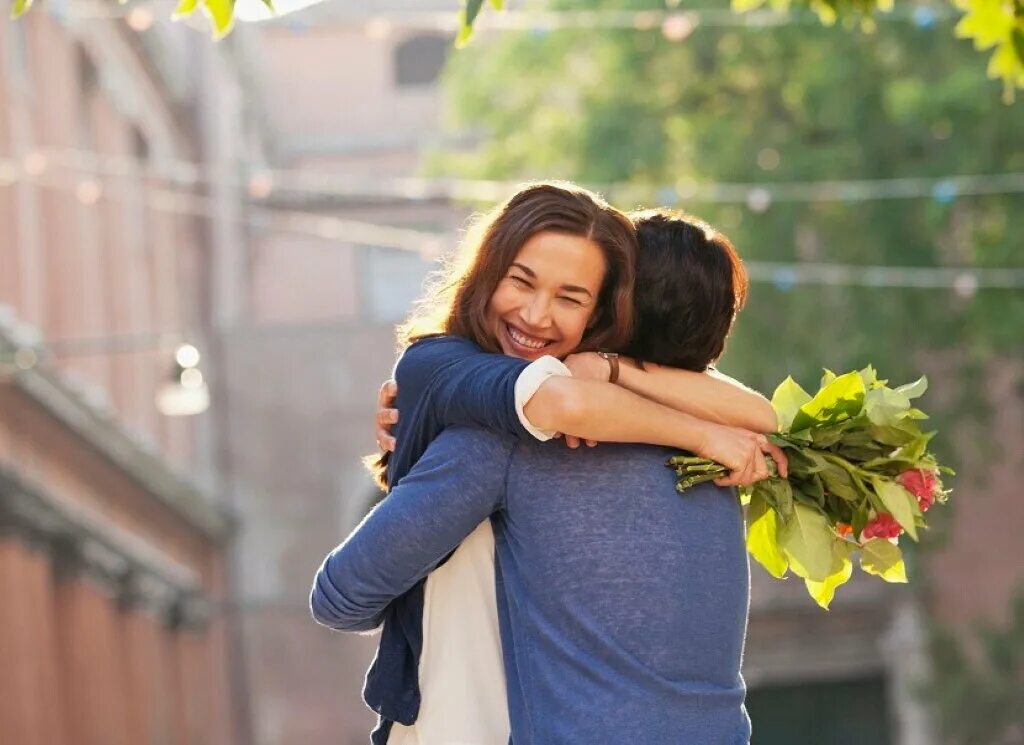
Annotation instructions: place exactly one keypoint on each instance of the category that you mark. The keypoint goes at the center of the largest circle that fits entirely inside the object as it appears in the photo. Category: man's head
(690, 283)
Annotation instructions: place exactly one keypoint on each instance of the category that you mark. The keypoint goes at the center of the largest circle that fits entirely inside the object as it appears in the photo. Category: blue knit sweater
(622, 604)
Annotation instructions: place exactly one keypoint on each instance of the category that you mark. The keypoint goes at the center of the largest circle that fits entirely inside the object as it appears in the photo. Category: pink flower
(883, 526)
(922, 484)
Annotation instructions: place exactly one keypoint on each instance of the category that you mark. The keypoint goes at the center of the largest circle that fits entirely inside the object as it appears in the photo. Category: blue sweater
(622, 604)
(442, 381)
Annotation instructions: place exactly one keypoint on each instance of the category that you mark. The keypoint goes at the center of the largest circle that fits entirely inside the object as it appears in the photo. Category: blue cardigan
(622, 605)
(443, 381)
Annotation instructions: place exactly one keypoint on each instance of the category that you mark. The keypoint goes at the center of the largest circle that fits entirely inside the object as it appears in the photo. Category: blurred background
(204, 248)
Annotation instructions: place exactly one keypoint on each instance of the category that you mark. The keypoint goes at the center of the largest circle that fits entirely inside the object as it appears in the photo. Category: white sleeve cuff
(529, 381)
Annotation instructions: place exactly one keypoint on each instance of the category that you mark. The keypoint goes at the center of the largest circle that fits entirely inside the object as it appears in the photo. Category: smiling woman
(553, 265)
(544, 303)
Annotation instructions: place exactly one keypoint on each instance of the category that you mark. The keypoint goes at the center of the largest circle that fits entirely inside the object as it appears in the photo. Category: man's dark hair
(690, 283)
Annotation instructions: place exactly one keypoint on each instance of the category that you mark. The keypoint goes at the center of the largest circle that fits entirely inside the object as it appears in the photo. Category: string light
(942, 189)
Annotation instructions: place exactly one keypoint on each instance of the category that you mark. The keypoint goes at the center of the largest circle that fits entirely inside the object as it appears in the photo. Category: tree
(991, 24)
(768, 106)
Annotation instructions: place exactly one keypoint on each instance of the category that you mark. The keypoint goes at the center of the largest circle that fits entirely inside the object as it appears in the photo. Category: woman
(536, 291)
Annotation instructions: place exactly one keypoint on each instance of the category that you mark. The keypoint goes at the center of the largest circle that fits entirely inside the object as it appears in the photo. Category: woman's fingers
(387, 394)
(386, 416)
(385, 441)
(571, 441)
(591, 443)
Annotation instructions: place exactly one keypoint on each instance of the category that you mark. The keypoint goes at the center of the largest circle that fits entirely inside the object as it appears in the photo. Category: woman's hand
(387, 415)
(743, 453)
(588, 366)
(585, 366)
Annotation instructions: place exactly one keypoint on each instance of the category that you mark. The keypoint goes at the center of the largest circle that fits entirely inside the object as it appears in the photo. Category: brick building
(114, 573)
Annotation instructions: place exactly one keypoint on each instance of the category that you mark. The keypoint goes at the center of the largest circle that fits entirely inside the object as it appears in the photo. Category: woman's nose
(537, 312)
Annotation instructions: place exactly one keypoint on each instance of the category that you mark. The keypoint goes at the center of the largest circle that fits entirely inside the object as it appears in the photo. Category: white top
(462, 677)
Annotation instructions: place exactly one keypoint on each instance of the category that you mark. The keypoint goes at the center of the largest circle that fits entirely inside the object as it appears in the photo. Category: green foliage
(762, 536)
(977, 696)
(997, 24)
(806, 540)
(855, 453)
(883, 559)
(792, 104)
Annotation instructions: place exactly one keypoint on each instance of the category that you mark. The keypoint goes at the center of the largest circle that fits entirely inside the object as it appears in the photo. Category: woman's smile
(528, 342)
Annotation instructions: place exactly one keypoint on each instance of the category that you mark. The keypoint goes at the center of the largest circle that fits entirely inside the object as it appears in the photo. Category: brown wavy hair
(693, 285)
(458, 295)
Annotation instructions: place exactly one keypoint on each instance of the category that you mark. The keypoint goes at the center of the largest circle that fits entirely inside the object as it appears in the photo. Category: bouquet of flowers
(860, 475)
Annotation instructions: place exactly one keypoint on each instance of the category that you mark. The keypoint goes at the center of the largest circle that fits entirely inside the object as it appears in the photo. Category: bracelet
(613, 363)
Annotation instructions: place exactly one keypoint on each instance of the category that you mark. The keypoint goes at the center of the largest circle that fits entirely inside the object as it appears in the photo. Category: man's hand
(742, 452)
(387, 415)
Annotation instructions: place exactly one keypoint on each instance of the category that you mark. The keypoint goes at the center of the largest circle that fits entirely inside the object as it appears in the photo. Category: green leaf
(787, 400)
(886, 407)
(762, 535)
(806, 540)
(779, 493)
(915, 389)
(20, 7)
(838, 482)
(841, 399)
(467, 17)
(900, 503)
(185, 8)
(883, 559)
(823, 592)
(915, 449)
(222, 14)
(870, 377)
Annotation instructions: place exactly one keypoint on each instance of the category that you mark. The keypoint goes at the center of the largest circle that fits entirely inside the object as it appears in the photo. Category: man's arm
(457, 483)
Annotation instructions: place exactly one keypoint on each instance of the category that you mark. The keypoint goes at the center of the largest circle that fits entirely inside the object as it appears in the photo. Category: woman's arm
(609, 413)
(709, 395)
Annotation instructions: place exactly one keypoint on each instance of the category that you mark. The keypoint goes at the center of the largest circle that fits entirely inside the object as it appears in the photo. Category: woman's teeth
(526, 341)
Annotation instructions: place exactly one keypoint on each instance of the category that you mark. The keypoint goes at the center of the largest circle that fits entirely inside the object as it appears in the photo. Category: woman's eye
(571, 300)
(520, 280)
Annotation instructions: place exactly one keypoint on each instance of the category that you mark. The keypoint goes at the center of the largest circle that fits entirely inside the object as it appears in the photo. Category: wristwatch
(613, 364)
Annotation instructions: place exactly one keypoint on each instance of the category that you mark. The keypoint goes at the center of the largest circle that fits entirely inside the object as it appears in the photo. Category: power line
(784, 275)
(758, 195)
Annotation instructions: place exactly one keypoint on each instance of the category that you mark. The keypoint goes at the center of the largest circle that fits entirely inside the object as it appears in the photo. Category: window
(393, 280)
(829, 713)
(420, 59)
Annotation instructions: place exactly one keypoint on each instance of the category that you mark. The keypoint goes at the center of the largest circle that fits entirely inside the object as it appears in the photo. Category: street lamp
(185, 393)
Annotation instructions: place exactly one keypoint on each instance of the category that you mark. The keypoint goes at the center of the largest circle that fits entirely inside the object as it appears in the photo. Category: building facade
(115, 624)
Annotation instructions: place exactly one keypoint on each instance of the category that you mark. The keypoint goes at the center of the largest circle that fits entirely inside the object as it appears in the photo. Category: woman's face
(547, 297)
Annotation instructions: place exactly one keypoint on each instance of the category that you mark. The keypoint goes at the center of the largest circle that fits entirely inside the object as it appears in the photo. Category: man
(622, 605)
